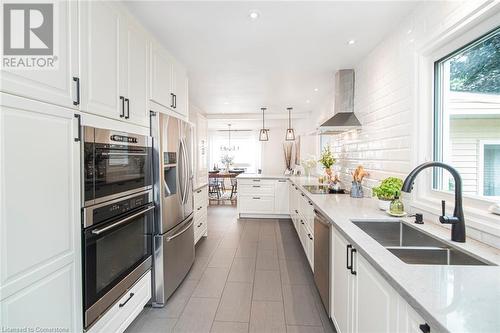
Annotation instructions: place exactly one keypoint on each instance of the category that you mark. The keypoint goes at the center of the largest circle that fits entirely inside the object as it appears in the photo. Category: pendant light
(290, 135)
(263, 136)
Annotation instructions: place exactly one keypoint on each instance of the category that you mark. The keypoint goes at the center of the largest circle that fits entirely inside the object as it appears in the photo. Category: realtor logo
(28, 36)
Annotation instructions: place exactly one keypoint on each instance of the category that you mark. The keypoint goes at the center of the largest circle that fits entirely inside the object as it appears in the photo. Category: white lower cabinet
(200, 213)
(126, 309)
(363, 301)
(263, 197)
(40, 257)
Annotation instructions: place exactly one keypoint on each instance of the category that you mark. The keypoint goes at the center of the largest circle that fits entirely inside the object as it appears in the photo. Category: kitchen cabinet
(41, 279)
(201, 149)
(301, 212)
(119, 316)
(52, 85)
(281, 197)
(169, 85)
(363, 301)
(200, 213)
(114, 62)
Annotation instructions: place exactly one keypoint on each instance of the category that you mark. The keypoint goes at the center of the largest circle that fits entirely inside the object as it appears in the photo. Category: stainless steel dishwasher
(322, 248)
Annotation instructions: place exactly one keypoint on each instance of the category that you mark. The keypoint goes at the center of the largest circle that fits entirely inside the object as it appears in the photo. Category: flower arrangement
(327, 158)
(227, 160)
(309, 164)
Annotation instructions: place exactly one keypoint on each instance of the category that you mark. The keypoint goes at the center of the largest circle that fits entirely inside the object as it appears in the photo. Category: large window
(244, 153)
(467, 117)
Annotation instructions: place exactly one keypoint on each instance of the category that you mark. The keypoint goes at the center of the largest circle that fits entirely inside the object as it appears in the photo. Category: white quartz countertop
(449, 298)
(260, 176)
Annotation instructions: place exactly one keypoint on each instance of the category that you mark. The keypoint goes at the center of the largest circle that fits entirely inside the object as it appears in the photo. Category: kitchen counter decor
(387, 191)
(327, 160)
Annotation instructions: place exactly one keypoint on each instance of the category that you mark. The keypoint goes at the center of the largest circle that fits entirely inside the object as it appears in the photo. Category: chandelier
(229, 148)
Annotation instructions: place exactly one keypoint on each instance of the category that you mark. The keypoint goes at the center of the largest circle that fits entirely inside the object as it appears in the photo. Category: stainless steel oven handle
(124, 154)
(114, 225)
(181, 232)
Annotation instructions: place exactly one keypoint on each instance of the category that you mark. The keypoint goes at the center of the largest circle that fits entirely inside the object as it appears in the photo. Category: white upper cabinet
(169, 83)
(134, 82)
(114, 62)
(180, 89)
(161, 77)
(99, 48)
(56, 85)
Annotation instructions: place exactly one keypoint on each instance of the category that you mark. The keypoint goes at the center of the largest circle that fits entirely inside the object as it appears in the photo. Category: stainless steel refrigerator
(173, 241)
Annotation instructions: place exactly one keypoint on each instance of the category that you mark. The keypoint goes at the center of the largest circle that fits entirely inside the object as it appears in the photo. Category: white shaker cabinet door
(281, 197)
(53, 85)
(161, 77)
(180, 89)
(40, 265)
(136, 73)
(100, 56)
(375, 301)
(342, 284)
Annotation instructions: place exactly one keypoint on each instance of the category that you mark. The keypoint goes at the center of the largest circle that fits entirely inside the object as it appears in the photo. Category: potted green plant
(388, 190)
(327, 160)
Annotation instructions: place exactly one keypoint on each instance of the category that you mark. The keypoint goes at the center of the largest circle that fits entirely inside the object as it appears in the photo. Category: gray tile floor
(250, 275)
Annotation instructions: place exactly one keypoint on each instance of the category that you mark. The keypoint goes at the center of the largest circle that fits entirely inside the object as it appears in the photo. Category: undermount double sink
(413, 246)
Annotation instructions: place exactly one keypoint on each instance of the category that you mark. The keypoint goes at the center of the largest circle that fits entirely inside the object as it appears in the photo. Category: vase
(328, 172)
(356, 190)
(384, 204)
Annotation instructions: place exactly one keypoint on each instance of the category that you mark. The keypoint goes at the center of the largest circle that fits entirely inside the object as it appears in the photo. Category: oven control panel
(120, 207)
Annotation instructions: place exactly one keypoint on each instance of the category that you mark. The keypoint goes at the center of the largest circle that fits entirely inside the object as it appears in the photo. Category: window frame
(452, 37)
(440, 126)
(480, 173)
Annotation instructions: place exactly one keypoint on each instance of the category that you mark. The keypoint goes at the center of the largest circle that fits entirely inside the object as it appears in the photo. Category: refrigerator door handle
(168, 239)
(185, 171)
(180, 174)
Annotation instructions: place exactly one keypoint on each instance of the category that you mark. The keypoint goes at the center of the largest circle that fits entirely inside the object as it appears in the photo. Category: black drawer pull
(199, 191)
(256, 180)
(199, 208)
(310, 237)
(256, 198)
(347, 257)
(255, 185)
(79, 138)
(302, 222)
(128, 299)
(296, 211)
(122, 113)
(353, 272)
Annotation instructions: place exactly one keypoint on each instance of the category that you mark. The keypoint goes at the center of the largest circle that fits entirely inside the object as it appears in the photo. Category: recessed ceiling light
(351, 42)
(226, 103)
(412, 40)
(254, 14)
(316, 89)
(409, 31)
(308, 101)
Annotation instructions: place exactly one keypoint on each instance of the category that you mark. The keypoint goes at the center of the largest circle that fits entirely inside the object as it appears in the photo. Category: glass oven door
(120, 170)
(113, 252)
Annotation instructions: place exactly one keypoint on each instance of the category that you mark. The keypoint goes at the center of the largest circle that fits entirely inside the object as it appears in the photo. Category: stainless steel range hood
(344, 118)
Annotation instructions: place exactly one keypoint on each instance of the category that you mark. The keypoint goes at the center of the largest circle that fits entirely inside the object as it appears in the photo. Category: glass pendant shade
(263, 135)
(290, 135)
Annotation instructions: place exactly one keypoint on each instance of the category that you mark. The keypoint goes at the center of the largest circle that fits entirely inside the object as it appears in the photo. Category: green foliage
(327, 157)
(478, 68)
(388, 189)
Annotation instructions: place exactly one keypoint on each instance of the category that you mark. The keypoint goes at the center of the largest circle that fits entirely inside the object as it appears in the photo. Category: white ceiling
(237, 65)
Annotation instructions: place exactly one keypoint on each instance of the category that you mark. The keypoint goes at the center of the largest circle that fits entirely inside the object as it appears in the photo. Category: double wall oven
(118, 213)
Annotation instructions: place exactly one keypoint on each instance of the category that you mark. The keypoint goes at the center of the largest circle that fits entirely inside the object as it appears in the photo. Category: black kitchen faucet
(457, 221)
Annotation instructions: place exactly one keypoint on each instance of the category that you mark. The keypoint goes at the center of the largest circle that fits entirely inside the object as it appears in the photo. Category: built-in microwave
(115, 164)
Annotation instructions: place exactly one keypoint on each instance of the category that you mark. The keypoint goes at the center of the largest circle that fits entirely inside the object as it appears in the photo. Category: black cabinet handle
(353, 272)
(255, 185)
(425, 328)
(199, 208)
(171, 100)
(122, 112)
(256, 198)
(128, 108)
(301, 222)
(79, 118)
(128, 299)
(77, 81)
(175, 101)
(296, 211)
(310, 237)
(302, 194)
(347, 257)
(199, 191)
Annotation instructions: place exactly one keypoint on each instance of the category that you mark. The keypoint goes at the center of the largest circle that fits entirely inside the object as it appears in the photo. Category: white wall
(386, 97)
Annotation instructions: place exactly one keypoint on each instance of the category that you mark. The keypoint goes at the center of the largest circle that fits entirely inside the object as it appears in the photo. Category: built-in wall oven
(118, 213)
(115, 164)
